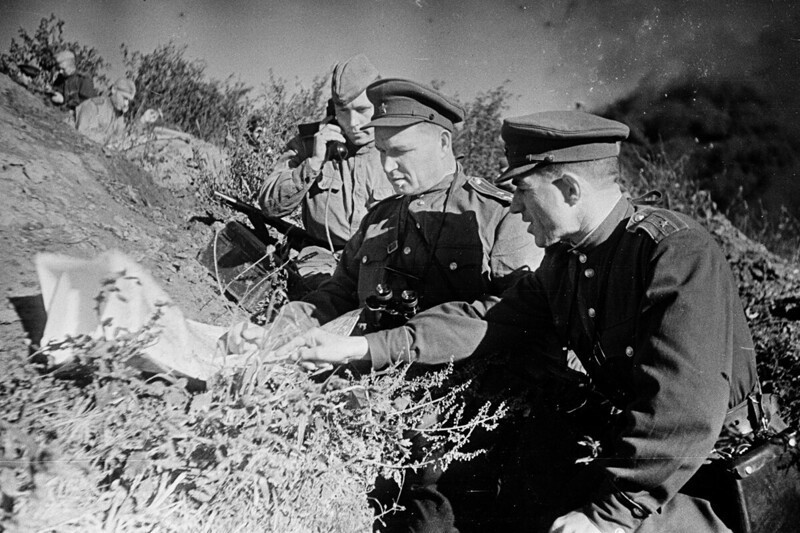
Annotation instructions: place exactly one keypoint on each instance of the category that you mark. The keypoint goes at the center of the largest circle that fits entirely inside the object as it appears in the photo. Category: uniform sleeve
(284, 189)
(514, 253)
(457, 330)
(682, 363)
(339, 294)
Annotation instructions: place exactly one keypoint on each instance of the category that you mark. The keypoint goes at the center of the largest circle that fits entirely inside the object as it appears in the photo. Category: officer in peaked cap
(332, 171)
(644, 299)
(445, 236)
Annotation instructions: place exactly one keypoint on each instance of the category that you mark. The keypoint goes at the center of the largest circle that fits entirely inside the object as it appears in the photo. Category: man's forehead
(359, 102)
(398, 137)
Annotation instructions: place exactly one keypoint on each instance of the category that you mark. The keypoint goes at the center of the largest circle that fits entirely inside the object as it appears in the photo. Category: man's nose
(516, 203)
(389, 165)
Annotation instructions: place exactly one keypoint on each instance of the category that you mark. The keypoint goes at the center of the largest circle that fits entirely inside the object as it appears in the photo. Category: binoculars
(385, 311)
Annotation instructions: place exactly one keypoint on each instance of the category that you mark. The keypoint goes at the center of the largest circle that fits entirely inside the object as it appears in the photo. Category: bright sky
(553, 53)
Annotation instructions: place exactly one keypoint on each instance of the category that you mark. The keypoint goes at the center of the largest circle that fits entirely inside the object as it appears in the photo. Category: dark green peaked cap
(559, 137)
(399, 102)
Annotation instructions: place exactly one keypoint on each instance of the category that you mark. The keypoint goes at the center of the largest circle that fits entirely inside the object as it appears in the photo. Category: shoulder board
(656, 222)
(385, 201)
(485, 188)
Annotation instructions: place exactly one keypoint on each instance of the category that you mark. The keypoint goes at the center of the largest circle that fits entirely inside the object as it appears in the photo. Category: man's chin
(360, 139)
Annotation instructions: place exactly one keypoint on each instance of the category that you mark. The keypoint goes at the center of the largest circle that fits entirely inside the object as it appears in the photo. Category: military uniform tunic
(457, 241)
(97, 119)
(75, 88)
(648, 304)
(336, 197)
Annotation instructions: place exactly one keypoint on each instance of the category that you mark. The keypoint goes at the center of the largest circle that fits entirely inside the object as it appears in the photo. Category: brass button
(591, 312)
(420, 202)
(407, 250)
(589, 273)
(582, 258)
(629, 351)
(419, 226)
(364, 259)
(453, 265)
(638, 217)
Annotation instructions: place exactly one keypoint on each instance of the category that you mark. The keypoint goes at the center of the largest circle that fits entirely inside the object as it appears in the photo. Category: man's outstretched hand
(317, 346)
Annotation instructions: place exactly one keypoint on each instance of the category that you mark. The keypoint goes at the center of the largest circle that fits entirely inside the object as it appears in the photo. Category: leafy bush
(40, 50)
(263, 448)
(733, 142)
(478, 140)
(166, 80)
(276, 112)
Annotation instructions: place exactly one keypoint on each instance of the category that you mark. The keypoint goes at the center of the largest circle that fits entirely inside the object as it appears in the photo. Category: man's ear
(570, 186)
(445, 140)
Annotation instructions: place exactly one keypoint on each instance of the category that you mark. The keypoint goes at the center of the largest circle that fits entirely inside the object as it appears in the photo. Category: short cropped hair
(606, 170)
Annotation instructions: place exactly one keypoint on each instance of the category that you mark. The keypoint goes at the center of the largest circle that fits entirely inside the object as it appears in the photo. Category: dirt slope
(61, 193)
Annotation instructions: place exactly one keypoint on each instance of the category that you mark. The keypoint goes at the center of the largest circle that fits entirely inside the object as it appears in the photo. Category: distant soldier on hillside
(102, 118)
(70, 87)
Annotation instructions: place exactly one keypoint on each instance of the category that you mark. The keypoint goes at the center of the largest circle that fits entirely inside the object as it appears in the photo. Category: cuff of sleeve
(614, 511)
(388, 346)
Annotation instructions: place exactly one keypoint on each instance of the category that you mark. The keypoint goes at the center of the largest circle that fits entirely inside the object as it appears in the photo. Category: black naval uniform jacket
(648, 304)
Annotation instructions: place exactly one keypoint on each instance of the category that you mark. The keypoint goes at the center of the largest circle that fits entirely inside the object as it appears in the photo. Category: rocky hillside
(62, 193)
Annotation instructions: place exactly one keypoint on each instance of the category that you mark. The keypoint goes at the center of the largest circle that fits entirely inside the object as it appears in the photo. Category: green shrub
(276, 111)
(263, 448)
(478, 140)
(41, 48)
(166, 80)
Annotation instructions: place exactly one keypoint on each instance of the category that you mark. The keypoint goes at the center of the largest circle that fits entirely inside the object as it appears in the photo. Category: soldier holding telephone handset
(332, 170)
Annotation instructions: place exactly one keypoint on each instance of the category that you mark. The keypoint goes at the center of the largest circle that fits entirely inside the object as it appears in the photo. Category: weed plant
(166, 80)
(263, 447)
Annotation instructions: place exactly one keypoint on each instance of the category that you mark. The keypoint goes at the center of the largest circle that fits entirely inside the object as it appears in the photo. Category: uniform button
(619, 530)
(638, 217)
(419, 226)
(364, 259)
(629, 351)
(453, 265)
(407, 250)
(589, 273)
(591, 312)
(420, 202)
(582, 258)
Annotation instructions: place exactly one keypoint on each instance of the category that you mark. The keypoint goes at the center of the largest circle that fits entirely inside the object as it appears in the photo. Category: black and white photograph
(400, 266)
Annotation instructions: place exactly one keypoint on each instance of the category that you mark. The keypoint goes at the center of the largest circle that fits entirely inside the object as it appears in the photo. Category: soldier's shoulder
(386, 204)
(659, 223)
(488, 190)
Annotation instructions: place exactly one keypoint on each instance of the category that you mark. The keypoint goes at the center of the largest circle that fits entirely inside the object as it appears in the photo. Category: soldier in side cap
(331, 170)
(101, 118)
(70, 87)
(645, 299)
(444, 236)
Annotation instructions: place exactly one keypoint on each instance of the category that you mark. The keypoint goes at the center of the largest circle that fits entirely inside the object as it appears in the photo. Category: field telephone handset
(335, 150)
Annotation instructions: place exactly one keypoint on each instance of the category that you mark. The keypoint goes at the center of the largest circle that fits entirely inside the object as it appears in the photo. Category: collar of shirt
(621, 210)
